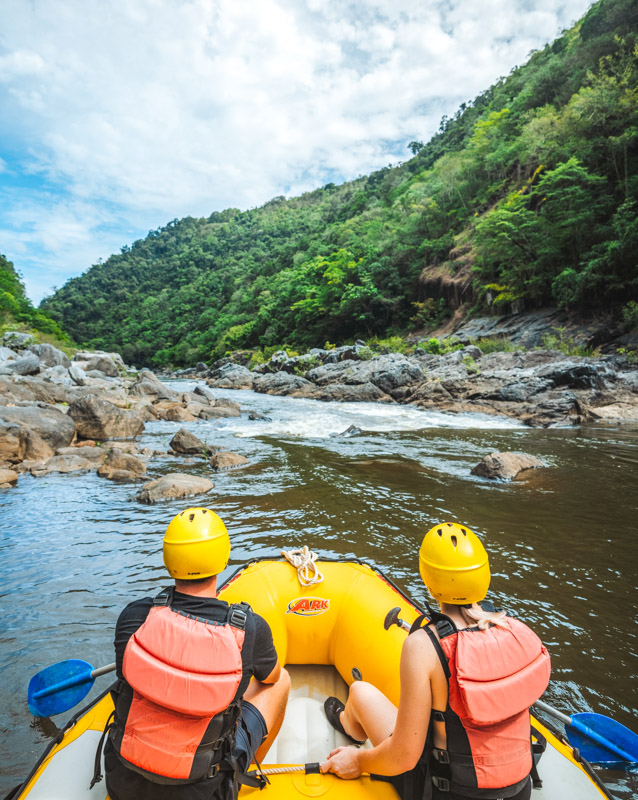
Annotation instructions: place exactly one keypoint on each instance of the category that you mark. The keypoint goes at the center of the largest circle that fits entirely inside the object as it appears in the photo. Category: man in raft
(468, 678)
(188, 718)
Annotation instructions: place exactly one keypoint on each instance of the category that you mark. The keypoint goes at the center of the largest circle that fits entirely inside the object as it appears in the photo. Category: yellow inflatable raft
(321, 632)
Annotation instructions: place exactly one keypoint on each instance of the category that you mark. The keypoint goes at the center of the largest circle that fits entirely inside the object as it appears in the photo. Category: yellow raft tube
(321, 633)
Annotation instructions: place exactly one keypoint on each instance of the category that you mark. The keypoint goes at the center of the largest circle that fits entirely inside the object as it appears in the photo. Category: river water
(563, 542)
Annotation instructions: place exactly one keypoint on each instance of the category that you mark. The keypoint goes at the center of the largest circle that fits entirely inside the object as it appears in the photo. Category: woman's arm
(401, 751)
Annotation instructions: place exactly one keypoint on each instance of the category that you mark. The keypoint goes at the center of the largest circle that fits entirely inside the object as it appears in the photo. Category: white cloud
(161, 108)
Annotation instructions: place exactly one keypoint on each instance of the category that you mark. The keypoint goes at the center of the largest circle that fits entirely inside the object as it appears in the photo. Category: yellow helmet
(196, 545)
(454, 565)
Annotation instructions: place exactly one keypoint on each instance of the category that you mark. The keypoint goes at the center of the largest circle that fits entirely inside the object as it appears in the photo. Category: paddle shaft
(74, 680)
(585, 730)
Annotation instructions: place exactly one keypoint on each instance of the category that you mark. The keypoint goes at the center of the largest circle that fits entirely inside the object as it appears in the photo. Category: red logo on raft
(308, 606)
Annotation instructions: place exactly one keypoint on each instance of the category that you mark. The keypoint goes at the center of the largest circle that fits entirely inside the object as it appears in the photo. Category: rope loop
(303, 561)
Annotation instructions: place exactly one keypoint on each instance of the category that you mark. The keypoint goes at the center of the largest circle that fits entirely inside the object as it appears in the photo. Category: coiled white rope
(304, 562)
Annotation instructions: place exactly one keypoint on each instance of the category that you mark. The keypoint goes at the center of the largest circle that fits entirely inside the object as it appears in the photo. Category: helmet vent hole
(191, 517)
(440, 532)
(204, 511)
(463, 531)
(453, 538)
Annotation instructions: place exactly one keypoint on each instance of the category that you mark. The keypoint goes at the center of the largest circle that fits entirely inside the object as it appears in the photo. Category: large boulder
(187, 443)
(174, 486)
(355, 393)
(13, 443)
(148, 385)
(17, 340)
(505, 466)
(50, 356)
(96, 418)
(391, 373)
(99, 361)
(231, 376)
(227, 460)
(43, 424)
(26, 364)
(282, 383)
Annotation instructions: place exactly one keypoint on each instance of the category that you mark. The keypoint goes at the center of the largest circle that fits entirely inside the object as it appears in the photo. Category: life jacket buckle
(213, 770)
(442, 784)
(237, 617)
(442, 756)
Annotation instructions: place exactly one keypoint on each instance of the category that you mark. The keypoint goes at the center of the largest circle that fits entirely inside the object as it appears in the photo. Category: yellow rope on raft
(304, 562)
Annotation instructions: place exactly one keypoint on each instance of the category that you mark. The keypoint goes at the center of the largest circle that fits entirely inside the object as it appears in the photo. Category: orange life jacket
(494, 676)
(176, 712)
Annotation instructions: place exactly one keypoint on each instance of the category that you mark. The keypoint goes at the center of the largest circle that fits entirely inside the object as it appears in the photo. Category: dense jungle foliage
(16, 310)
(529, 195)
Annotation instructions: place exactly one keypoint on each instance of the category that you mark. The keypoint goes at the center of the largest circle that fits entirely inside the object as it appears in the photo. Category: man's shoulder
(137, 608)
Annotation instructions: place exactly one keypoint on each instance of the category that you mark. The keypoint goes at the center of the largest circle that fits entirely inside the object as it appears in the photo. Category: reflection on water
(75, 549)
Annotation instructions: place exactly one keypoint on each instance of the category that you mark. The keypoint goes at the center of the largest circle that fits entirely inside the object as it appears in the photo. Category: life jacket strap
(97, 767)
(538, 748)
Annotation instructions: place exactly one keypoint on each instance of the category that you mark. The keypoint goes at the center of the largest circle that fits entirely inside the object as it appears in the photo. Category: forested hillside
(16, 311)
(528, 197)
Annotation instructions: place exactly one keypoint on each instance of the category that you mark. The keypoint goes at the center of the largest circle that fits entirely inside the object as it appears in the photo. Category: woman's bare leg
(368, 713)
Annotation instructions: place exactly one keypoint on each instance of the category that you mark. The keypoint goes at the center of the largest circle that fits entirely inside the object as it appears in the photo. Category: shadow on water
(564, 554)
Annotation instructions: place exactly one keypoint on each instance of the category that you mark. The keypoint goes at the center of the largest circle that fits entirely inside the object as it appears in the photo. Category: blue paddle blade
(59, 687)
(602, 740)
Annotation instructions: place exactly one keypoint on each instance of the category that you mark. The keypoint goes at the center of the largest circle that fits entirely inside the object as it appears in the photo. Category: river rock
(64, 464)
(204, 392)
(351, 430)
(177, 413)
(96, 418)
(77, 375)
(26, 364)
(173, 486)
(186, 442)
(50, 356)
(17, 340)
(7, 354)
(231, 376)
(94, 454)
(505, 466)
(281, 383)
(227, 460)
(98, 360)
(120, 466)
(8, 478)
(218, 412)
(148, 385)
(357, 393)
(625, 412)
(13, 442)
(44, 425)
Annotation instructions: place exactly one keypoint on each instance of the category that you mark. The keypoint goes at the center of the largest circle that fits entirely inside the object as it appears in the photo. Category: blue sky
(118, 117)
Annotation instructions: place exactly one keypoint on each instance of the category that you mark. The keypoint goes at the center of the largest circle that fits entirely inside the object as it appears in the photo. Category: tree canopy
(537, 178)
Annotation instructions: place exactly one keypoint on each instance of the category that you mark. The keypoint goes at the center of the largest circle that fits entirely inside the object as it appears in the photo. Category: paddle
(600, 739)
(61, 686)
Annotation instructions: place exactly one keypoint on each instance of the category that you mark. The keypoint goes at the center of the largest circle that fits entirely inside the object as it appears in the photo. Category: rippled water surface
(563, 541)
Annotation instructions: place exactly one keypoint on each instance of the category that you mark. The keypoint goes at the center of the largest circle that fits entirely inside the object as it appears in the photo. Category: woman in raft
(468, 676)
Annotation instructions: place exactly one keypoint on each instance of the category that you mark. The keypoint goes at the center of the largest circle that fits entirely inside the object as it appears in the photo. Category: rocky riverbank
(58, 415)
(64, 416)
(539, 387)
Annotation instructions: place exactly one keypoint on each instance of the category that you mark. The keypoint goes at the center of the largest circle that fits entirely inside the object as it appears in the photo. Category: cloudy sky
(117, 116)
